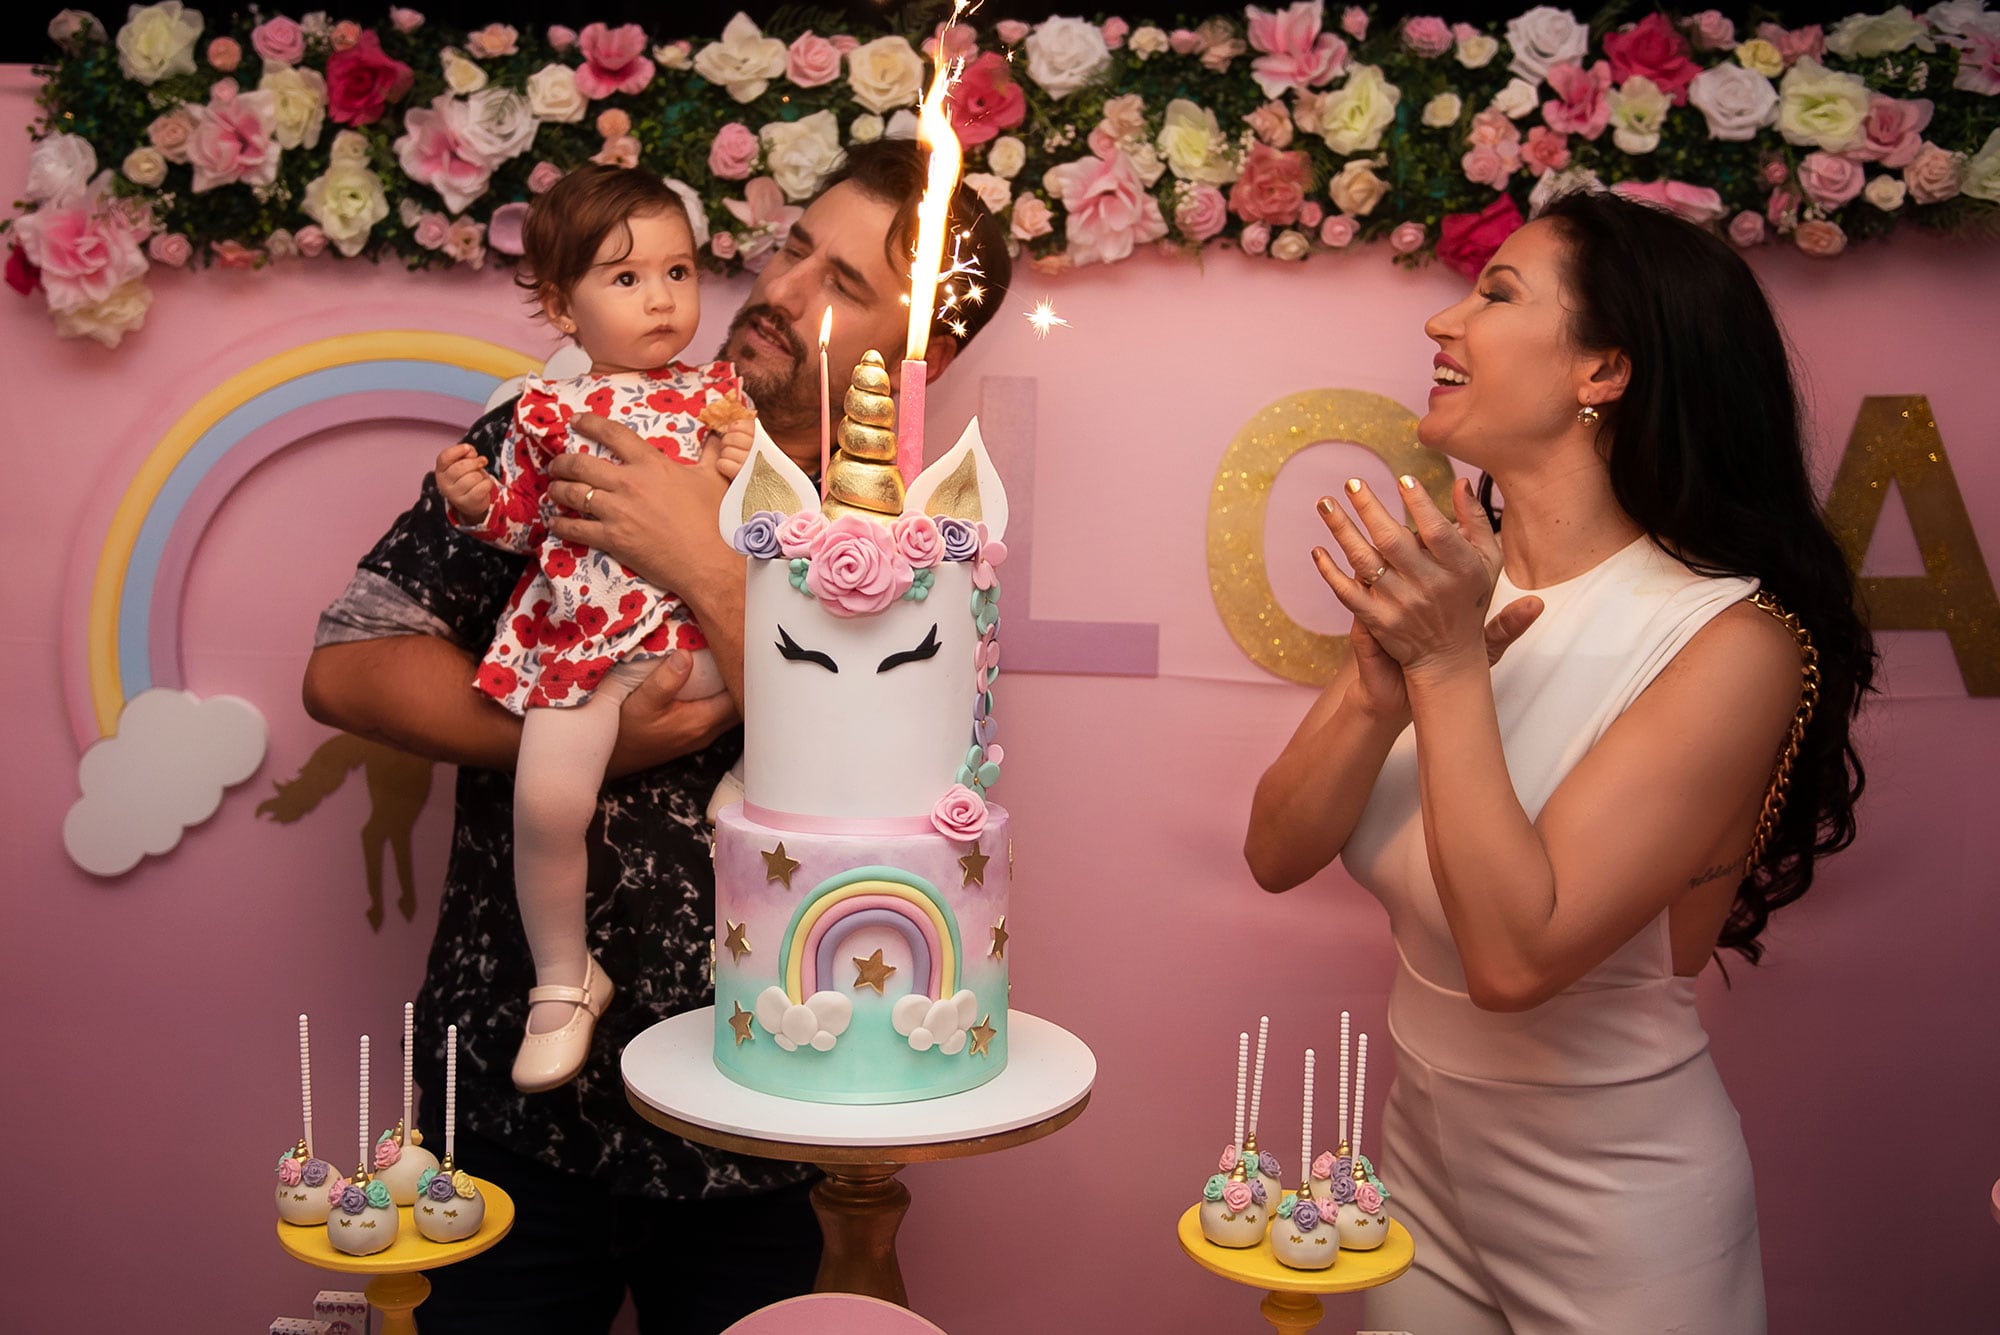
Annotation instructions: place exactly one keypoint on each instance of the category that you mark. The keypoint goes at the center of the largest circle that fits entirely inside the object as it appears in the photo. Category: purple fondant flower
(315, 1172)
(757, 536)
(1258, 1194)
(438, 1188)
(1305, 1216)
(961, 540)
(1342, 1187)
(1267, 1163)
(353, 1199)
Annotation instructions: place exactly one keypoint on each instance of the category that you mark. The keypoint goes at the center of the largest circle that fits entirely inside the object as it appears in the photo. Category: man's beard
(786, 394)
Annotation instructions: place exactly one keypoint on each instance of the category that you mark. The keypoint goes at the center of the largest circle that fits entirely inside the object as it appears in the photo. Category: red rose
(361, 82)
(1466, 241)
(986, 100)
(22, 276)
(1652, 48)
(1272, 188)
(497, 681)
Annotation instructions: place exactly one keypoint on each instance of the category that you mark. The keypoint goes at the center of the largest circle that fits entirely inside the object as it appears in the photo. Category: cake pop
(363, 1219)
(450, 1206)
(1235, 1207)
(1263, 1166)
(400, 1160)
(301, 1193)
(1363, 1216)
(1300, 1238)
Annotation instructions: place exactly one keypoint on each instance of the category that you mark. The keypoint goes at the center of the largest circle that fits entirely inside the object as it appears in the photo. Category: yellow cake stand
(1291, 1297)
(399, 1284)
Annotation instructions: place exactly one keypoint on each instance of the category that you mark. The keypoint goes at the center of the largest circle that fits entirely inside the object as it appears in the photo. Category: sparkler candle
(933, 213)
(825, 401)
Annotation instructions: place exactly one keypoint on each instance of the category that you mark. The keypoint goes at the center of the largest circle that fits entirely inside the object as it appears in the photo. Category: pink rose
(344, 35)
(1322, 1167)
(1492, 129)
(387, 1152)
(798, 532)
(1545, 151)
(917, 539)
(278, 41)
(1893, 131)
(1011, 32)
(1219, 44)
(1782, 209)
(503, 229)
(1354, 22)
(1712, 30)
(1236, 1196)
(1108, 208)
(1407, 238)
(1775, 172)
(1746, 229)
(543, 178)
(1368, 1197)
(431, 231)
(225, 54)
(723, 245)
(986, 100)
(856, 569)
(170, 249)
(1337, 231)
(361, 82)
(1795, 44)
(1031, 218)
(170, 133)
(1228, 1160)
(733, 155)
(1820, 238)
(960, 813)
(281, 245)
(1271, 123)
(1583, 107)
(1310, 213)
(620, 150)
(1255, 239)
(1466, 241)
(1115, 31)
(614, 61)
(235, 255)
(811, 61)
(1428, 37)
(613, 122)
(405, 21)
(960, 41)
(1271, 187)
(336, 1187)
(561, 38)
(232, 141)
(1295, 53)
(1652, 49)
(310, 240)
(1830, 181)
(291, 1171)
(432, 153)
(493, 41)
(1696, 203)
(1487, 166)
(1183, 42)
(465, 243)
(1934, 175)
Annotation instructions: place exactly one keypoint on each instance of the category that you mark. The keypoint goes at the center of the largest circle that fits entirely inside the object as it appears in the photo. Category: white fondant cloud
(935, 1024)
(817, 1024)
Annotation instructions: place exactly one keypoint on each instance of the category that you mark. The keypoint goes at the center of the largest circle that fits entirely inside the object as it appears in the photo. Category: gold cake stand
(1291, 1297)
(398, 1284)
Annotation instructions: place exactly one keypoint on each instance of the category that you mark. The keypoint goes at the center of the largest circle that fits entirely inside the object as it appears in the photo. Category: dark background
(24, 27)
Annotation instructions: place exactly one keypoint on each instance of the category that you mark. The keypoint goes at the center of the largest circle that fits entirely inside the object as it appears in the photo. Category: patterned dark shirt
(650, 904)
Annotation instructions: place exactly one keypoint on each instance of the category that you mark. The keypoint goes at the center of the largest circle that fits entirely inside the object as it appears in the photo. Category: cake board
(672, 1081)
(398, 1285)
(1291, 1297)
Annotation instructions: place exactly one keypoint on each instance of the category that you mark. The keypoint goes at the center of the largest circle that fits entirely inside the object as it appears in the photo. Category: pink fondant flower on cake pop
(1236, 1195)
(1367, 1198)
(291, 1171)
(387, 1151)
(1323, 1166)
(960, 813)
(1228, 1160)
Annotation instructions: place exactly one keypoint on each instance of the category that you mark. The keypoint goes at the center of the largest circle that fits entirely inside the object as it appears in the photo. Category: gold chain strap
(1781, 779)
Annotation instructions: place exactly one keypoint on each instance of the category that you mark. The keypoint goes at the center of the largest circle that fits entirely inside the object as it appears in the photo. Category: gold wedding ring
(1369, 582)
(589, 513)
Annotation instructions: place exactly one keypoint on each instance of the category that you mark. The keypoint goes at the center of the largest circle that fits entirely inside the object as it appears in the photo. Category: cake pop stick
(1257, 1073)
(306, 1082)
(1360, 1093)
(1341, 1148)
(409, 1057)
(362, 1172)
(1306, 1122)
(450, 1089)
(1242, 1082)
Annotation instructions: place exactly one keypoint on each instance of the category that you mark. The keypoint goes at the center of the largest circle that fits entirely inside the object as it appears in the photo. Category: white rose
(675, 56)
(108, 320)
(902, 125)
(1194, 145)
(1886, 193)
(145, 166)
(1819, 107)
(1352, 120)
(74, 29)
(347, 202)
(885, 74)
(498, 125)
(1147, 41)
(1066, 54)
(298, 101)
(553, 96)
(1006, 156)
(866, 129)
(462, 76)
(349, 149)
(744, 61)
(1554, 184)
(1517, 99)
(993, 191)
(1638, 110)
(798, 153)
(1146, 163)
(1738, 102)
(1982, 171)
(1877, 35)
(1477, 51)
(1290, 245)
(1357, 190)
(1442, 110)
(158, 41)
(59, 167)
(1546, 36)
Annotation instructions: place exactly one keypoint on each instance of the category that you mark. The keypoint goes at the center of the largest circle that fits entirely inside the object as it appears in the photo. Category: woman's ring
(1369, 582)
(589, 513)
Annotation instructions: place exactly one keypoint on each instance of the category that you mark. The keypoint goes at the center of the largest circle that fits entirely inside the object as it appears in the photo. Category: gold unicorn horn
(862, 477)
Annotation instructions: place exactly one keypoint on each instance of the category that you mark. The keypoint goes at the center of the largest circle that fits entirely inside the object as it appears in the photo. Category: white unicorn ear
(769, 481)
(964, 485)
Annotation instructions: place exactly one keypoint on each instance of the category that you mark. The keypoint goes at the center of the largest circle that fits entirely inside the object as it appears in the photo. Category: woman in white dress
(1570, 805)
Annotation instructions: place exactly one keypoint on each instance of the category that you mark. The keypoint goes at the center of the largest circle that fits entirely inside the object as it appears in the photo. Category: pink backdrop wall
(150, 1018)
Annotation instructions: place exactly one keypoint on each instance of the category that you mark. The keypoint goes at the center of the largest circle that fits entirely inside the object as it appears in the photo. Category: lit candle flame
(934, 132)
(826, 329)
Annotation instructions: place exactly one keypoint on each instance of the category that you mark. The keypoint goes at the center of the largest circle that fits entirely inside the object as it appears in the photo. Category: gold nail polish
(1409, 483)
(1325, 505)
(1354, 486)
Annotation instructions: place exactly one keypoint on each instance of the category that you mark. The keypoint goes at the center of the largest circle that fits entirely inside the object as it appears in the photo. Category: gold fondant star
(871, 972)
(981, 1034)
(973, 864)
(737, 944)
(740, 1022)
(999, 951)
(778, 867)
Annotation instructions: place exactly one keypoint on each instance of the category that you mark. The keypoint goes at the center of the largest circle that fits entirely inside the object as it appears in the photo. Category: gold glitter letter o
(1236, 575)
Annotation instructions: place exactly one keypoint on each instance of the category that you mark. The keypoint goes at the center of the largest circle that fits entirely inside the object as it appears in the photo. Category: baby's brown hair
(565, 226)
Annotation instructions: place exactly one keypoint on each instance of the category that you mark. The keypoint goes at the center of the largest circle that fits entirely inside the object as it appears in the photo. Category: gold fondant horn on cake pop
(862, 477)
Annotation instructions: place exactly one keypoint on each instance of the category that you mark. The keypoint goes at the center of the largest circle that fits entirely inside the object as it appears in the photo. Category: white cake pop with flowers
(1300, 1237)
(1236, 1206)
(400, 1160)
(362, 1219)
(1349, 1187)
(450, 1206)
(302, 1176)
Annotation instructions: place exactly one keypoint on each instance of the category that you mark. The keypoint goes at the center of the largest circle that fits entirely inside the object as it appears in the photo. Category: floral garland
(252, 141)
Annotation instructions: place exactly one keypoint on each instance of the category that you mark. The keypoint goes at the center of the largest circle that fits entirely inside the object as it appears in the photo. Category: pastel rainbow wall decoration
(863, 898)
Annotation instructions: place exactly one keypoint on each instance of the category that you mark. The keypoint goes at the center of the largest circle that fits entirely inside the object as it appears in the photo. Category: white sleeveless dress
(1576, 1167)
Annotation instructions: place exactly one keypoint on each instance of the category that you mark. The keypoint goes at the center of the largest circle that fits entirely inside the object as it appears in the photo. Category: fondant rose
(1305, 1216)
(291, 1171)
(960, 813)
(1213, 1189)
(1367, 1198)
(463, 1186)
(1267, 1164)
(1341, 1188)
(1258, 1194)
(961, 540)
(353, 1200)
(315, 1171)
(797, 533)
(377, 1196)
(439, 1187)
(757, 536)
(1322, 1167)
(856, 569)
(917, 539)
(387, 1151)
(1228, 1160)
(1236, 1195)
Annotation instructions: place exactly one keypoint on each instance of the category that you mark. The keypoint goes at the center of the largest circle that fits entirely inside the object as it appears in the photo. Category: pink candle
(910, 420)
(825, 402)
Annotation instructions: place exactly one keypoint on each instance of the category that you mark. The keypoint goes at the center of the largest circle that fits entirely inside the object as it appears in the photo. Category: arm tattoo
(1715, 873)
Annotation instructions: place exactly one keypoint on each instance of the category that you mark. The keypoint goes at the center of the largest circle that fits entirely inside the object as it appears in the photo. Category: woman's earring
(1588, 414)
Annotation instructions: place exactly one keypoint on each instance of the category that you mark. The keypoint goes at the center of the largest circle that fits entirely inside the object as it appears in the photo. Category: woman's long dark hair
(1706, 454)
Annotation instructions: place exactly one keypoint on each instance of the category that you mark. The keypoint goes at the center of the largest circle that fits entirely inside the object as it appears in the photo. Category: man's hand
(463, 481)
(655, 727)
(649, 512)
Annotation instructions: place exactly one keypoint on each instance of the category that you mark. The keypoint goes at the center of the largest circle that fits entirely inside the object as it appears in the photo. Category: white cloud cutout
(164, 770)
(817, 1024)
(940, 1024)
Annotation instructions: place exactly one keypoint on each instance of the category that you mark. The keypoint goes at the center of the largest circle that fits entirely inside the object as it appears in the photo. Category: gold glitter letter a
(1896, 439)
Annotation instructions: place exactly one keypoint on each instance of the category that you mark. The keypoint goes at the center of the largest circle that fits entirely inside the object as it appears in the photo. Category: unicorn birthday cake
(861, 884)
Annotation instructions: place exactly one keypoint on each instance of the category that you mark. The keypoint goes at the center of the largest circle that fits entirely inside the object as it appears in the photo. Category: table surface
(411, 1250)
(1256, 1266)
(672, 1079)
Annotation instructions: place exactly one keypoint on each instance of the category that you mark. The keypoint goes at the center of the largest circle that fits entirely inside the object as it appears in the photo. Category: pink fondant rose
(1367, 1197)
(614, 61)
(1228, 1160)
(1323, 1166)
(918, 540)
(361, 82)
(387, 1151)
(960, 813)
(734, 153)
(1236, 1195)
(799, 531)
(291, 1171)
(856, 569)
(986, 100)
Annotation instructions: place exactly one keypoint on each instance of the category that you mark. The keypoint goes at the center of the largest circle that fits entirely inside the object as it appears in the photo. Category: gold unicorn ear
(768, 481)
(862, 477)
